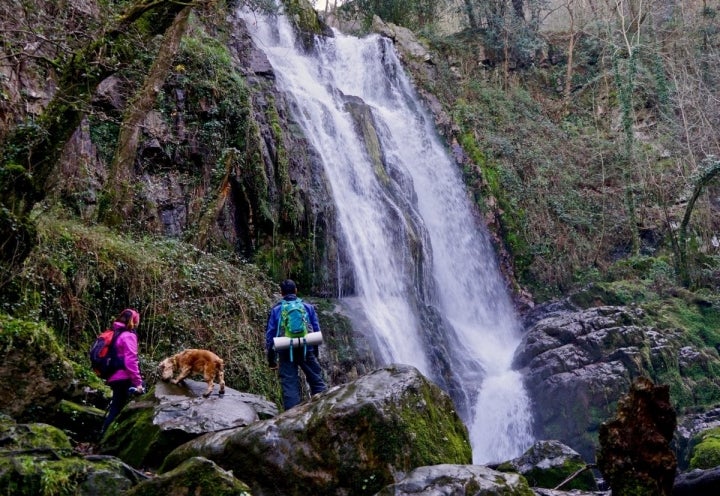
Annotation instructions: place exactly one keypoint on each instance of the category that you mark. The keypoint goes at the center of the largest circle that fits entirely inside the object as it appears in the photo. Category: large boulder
(473, 480)
(578, 363)
(196, 476)
(352, 439)
(550, 464)
(698, 483)
(35, 373)
(169, 415)
(39, 459)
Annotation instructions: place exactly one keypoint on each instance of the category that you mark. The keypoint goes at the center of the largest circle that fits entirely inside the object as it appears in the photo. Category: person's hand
(136, 391)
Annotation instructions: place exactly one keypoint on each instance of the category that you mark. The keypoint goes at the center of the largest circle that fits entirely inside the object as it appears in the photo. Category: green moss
(699, 318)
(432, 445)
(290, 207)
(488, 182)
(706, 453)
(551, 477)
(623, 292)
(285, 258)
(21, 333)
(34, 436)
(306, 19)
(31, 476)
(196, 476)
(104, 135)
(131, 444)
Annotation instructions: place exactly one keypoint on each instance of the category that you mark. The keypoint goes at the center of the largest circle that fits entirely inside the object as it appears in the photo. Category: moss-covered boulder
(196, 476)
(352, 439)
(169, 415)
(549, 463)
(706, 452)
(38, 459)
(81, 422)
(306, 20)
(35, 374)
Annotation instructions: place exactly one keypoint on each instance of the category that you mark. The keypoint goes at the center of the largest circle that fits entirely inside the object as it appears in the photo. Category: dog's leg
(208, 376)
(221, 379)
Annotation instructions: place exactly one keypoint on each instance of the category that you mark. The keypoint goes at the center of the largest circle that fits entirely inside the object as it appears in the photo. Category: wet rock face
(577, 364)
(635, 455)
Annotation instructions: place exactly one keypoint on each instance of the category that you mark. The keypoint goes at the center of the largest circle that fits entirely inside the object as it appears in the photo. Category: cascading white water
(416, 199)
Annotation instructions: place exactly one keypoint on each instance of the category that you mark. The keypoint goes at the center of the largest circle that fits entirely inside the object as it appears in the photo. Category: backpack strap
(116, 335)
(280, 318)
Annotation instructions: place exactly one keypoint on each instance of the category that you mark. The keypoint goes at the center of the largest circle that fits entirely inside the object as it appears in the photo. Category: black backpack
(103, 354)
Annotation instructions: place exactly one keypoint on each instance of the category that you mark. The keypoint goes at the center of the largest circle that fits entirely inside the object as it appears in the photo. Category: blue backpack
(293, 322)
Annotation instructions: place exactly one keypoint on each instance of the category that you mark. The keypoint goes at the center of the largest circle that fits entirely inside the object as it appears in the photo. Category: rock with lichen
(196, 476)
(458, 479)
(550, 464)
(39, 459)
(153, 425)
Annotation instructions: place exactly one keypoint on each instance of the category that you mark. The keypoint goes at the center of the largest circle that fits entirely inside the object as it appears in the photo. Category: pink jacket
(127, 349)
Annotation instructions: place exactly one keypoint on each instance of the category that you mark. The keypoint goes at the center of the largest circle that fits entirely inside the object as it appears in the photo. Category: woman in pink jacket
(128, 376)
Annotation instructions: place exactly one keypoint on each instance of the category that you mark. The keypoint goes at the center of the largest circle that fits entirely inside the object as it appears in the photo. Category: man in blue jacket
(289, 364)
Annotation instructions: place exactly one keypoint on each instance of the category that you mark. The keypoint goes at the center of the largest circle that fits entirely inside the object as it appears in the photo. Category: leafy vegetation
(706, 453)
(81, 277)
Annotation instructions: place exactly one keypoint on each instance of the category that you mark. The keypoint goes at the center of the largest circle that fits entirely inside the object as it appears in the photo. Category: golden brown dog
(194, 361)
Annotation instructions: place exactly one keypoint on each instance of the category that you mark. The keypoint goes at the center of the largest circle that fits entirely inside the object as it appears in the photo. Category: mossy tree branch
(121, 169)
(37, 148)
(30, 153)
(704, 176)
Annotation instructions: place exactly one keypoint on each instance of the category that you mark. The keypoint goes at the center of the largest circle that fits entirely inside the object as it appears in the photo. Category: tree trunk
(571, 53)
(30, 154)
(120, 178)
(470, 11)
(704, 178)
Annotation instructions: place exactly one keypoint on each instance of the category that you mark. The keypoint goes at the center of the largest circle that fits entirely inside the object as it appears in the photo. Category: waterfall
(426, 277)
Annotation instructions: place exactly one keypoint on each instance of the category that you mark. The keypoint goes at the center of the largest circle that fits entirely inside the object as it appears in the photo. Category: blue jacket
(274, 318)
